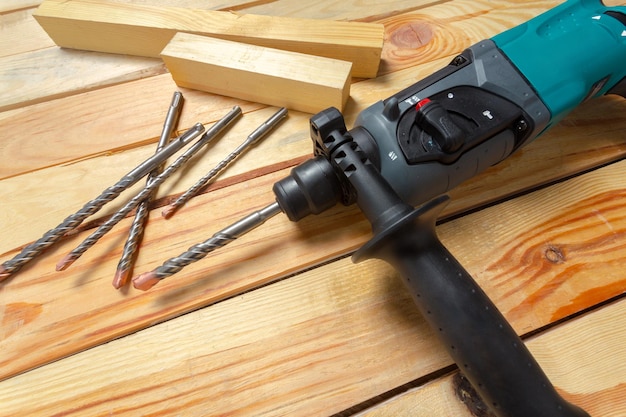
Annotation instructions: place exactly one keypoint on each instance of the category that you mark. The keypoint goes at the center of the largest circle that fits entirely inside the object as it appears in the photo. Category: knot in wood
(554, 254)
(412, 35)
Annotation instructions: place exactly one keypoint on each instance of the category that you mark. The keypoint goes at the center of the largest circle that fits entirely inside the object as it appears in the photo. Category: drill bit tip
(168, 211)
(64, 263)
(4, 273)
(145, 281)
(121, 278)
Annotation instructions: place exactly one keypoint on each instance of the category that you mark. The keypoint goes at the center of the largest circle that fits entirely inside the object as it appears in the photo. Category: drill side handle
(477, 336)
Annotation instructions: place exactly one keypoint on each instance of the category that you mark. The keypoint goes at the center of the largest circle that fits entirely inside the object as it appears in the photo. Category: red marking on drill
(422, 103)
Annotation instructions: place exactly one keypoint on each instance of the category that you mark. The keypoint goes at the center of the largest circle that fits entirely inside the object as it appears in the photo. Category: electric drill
(407, 151)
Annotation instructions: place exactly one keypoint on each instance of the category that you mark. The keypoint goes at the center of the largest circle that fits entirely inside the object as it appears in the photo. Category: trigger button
(619, 88)
(617, 15)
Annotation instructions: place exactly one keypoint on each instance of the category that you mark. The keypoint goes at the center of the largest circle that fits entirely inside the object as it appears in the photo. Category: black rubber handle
(480, 340)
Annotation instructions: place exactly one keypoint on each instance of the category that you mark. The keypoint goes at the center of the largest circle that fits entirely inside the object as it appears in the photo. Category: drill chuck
(311, 188)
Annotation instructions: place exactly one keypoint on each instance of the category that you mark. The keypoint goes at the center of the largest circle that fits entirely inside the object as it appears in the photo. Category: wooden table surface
(281, 322)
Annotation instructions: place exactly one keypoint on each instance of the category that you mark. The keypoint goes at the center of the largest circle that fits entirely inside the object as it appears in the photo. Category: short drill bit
(195, 253)
(252, 139)
(121, 213)
(135, 233)
(52, 236)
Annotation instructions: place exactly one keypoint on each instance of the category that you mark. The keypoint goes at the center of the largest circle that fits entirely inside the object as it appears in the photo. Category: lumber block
(265, 75)
(132, 29)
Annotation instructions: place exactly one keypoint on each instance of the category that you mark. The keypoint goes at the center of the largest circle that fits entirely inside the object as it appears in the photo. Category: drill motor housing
(412, 148)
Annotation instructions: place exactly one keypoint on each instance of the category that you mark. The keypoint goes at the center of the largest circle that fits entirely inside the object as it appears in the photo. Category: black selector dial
(435, 120)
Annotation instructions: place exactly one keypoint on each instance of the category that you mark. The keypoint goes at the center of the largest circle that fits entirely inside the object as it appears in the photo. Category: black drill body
(408, 151)
(428, 138)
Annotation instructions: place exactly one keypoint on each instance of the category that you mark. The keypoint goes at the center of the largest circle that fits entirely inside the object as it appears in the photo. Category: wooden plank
(258, 74)
(8, 6)
(129, 115)
(25, 82)
(20, 33)
(321, 342)
(591, 373)
(144, 31)
(331, 9)
(538, 290)
(401, 50)
(194, 4)
(454, 24)
(40, 200)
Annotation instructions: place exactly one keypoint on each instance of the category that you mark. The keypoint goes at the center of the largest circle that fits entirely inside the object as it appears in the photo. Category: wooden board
(280, 322)
(145, 30)
(258, 74)
(598, 385)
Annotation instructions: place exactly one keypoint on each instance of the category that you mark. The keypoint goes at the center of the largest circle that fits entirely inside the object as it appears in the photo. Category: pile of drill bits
(156, 175)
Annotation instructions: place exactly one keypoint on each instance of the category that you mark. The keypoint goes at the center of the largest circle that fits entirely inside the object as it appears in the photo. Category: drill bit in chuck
(195, 253)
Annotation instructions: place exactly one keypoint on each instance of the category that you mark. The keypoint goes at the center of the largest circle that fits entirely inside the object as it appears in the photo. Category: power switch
(435, 120)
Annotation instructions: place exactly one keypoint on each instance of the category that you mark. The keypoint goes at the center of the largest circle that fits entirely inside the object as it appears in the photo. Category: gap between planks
(582, 365)
(529, 288)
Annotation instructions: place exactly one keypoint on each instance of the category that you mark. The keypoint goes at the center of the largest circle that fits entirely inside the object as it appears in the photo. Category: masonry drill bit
(121, 214)
(122, 274)
(252, 139)
(52, 236)
(147, 280)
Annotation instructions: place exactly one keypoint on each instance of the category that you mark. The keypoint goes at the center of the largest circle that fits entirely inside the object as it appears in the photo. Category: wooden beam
(145, 30)
(265, 75)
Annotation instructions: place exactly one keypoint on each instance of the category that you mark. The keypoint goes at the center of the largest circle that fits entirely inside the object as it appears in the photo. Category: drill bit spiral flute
(34, 249)
(141, 196)
(141, 215)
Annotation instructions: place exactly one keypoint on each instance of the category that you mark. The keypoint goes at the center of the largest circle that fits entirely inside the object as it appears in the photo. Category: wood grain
(599, 385)
(24, 83)
(591, 136)
(19, 33)
(258, 74)
(395, 56)
(101, 122)
(9, 6)
(251, 262)
(321, 341)
(280, 322)
(145, 30)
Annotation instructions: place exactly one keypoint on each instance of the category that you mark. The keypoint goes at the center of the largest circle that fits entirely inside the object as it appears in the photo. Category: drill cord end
(145, 281)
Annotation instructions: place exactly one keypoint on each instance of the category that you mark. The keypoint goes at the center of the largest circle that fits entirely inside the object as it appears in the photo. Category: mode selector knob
(435, 120)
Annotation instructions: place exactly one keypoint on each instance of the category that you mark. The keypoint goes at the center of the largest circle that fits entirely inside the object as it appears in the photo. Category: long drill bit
(135, 233)
(147, 280)
(121, 213)
(52, 236)
(252, 139)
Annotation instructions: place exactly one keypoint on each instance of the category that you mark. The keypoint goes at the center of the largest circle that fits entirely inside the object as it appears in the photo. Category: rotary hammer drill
(407, 151)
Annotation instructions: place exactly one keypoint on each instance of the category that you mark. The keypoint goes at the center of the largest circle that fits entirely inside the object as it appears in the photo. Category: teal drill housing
(571, 53)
